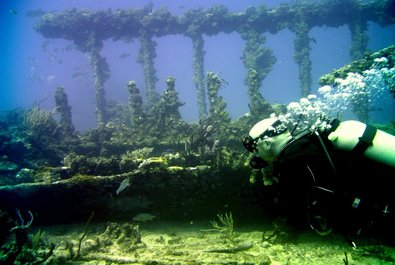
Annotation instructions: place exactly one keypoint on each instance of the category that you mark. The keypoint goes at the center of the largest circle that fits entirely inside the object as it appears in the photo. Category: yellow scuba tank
(355, 136)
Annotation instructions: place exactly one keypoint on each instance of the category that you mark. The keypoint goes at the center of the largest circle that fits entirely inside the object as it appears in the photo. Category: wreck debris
(147, 23)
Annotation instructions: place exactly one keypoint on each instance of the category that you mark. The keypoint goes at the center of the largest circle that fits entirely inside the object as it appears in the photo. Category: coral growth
(147, 23)
(198, 78)
(25, 248)
(135, 105)
(64, 109)
(146, 59)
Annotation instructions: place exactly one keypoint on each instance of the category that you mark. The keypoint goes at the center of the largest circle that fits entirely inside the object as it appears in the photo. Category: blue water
(32, 67)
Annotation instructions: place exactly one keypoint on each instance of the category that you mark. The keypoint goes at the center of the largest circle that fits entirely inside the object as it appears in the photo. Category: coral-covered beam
(75, 25)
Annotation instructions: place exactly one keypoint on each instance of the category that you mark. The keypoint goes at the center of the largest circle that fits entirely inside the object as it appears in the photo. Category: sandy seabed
(196, 243)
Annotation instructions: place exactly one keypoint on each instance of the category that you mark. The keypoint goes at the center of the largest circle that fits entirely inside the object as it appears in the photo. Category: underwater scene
(197, 132)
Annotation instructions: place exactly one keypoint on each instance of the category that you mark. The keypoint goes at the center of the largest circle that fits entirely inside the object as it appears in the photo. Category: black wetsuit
(349, 190)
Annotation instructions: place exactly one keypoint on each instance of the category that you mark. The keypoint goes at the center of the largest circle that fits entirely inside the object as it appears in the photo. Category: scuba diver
(338, 176)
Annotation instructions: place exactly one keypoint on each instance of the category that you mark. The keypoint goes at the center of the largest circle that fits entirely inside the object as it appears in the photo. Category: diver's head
(267, 138)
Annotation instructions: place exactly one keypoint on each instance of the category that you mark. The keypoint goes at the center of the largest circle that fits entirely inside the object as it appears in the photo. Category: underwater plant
(225, 225)
(97, 165)
(39, 123)
(5, 226)
(25, 249)
(126, 236)
(132, 159)
(42, 138)
(78, 254)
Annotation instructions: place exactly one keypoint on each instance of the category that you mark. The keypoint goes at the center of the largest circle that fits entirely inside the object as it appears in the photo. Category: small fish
(127, 39)
(375, 109)
(124, 184)
(143, 217)
(50, 78)
(313, 40)
(124, 55)
(35, 13)
(13, 12)
(78, 74)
